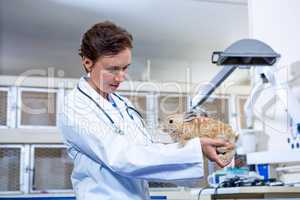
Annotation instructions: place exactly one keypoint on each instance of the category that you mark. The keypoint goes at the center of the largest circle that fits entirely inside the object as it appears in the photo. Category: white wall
(276, 22)
(22, 53)
(46, 34)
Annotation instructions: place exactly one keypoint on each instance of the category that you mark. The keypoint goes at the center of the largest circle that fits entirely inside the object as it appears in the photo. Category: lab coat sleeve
(90, 136)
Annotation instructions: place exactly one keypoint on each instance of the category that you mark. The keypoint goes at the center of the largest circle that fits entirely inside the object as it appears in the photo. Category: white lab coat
(108, 165)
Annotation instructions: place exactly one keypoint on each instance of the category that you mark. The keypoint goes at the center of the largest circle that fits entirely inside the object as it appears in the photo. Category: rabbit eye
(171, 121)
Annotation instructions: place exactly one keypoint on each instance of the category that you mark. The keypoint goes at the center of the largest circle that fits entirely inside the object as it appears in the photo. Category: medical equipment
(129, 110)
(116, 129)
(242, 54)
(266, 78)
(249, 53)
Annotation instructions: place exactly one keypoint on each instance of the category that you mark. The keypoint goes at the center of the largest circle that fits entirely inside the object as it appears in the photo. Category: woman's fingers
(210, 146)
(220, 162)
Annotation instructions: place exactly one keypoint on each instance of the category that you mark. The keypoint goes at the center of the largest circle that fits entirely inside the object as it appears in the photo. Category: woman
(113, 154)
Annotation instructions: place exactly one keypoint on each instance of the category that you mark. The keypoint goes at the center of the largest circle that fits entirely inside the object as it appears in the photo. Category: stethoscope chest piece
(119, 131)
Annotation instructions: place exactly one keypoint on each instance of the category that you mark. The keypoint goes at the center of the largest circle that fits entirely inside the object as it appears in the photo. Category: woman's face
(108, 72)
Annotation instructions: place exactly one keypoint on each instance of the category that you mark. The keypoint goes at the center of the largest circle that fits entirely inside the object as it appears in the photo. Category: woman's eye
(171, 121)
(117, 69)
(114, 69)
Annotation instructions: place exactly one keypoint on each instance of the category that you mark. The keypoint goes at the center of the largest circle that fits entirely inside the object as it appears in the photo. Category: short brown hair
(104, 39)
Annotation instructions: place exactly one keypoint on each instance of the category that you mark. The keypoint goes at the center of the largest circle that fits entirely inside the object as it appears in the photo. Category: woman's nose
(121, 76)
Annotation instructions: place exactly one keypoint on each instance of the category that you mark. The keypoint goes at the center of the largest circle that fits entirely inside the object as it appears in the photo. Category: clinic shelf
(257, 192)
(192, 194)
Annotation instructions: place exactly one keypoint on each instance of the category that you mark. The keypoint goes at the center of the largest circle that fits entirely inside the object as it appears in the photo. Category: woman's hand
(209, 149)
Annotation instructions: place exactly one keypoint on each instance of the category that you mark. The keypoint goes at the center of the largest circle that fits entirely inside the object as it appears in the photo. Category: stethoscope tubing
(118, 130)
(131, 108)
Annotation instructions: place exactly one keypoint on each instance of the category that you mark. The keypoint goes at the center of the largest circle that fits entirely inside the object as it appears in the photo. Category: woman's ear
(87, 64)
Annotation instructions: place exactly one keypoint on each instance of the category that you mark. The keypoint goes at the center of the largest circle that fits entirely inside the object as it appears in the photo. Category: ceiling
(162, 29)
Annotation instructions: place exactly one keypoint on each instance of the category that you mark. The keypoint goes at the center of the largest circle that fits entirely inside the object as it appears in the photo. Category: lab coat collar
(85, 86)
(104, 103)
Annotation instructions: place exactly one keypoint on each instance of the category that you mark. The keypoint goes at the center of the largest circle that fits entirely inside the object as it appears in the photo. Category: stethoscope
(129, 110)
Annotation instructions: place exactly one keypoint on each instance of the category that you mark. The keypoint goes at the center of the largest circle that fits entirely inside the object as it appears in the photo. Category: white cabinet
(46, 167)
(34, 169)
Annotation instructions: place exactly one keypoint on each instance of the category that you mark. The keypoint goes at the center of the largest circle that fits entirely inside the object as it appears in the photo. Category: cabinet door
(3, 107)
(52, 169)
(10, 166)
(217, 108)
(37, 108)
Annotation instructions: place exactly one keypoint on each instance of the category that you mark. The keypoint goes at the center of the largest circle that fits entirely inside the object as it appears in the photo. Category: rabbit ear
(200, 112)
(189, 116)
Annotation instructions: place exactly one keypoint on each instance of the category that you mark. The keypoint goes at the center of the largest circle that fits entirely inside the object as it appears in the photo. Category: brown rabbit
(182, 128)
